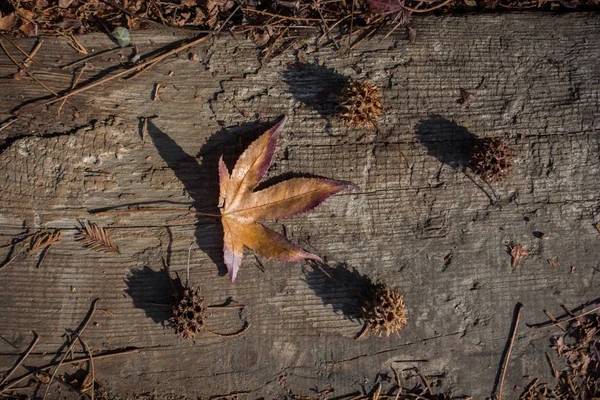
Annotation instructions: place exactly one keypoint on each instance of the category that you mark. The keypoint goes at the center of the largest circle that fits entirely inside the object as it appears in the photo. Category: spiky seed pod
(189, 313)
(360, 104)
(385, 312)
(491, 159)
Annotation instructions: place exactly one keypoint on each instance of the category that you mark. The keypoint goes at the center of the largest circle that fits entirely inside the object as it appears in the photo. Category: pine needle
(95, 238)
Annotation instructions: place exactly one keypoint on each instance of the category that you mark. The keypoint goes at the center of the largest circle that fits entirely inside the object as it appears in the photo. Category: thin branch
(92, 371)
(23, 357)
(75, 82)
(22, 68)
(130, 13)
(121, 73)
(187, 271)
(414, 10)
(100, 53)
(235, 307)
(73, 361)
(163, 210)
(558, 322)
(74, 338)
(284, 17)
(351, 25)
(244, 329)
(497, 394)
(326, 28)
(29, 56)
(9, 123)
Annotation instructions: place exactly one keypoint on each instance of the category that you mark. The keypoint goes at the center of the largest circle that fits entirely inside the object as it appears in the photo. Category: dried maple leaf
(242, 207)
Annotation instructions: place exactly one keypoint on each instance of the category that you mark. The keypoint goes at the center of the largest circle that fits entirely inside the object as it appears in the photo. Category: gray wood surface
(416, 205)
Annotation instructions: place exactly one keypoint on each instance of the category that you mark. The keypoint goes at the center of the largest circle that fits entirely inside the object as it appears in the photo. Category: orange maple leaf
(242, 208)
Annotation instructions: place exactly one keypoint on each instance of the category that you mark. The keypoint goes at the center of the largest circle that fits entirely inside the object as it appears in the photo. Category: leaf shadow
(273, 180)
(317, 87)
(450, 143)
(201, 179)
(344, 289)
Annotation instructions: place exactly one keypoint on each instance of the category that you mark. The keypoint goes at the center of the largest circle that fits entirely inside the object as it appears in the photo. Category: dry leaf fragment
(242, 208)
(42, 240)
(7, 22)
(516, 252)
(95, 238)
(554, 263)
(466, 98)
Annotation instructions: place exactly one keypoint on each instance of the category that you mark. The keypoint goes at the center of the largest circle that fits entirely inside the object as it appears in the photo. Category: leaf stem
(158, 210)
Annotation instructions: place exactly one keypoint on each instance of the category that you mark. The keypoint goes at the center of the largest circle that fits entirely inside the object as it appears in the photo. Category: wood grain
(416, 204)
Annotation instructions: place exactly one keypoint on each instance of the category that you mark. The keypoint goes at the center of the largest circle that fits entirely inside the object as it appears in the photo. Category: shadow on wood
(445, 140)
(317, 87)
(339, 286)
(151, 291)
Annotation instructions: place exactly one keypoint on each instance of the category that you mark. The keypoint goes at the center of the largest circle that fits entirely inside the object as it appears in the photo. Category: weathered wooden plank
(416, 204)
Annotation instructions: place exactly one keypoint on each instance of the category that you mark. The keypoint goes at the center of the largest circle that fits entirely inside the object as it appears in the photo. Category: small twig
(241, 331)
(393, 29)
(326, 28)
(75, 82)
(142, 71)
(230, 395)
(9, 123)
(7, 263)
(29, 56)
(73, 361)
(8, 342)
(91, 372)
(130, 13)
(284, 17)
(363, 332)
(163, 210)
(351, 25)
(414, 10)
(36, 338)
(74, 338)
(153, 60)
(398, 382)
(238, 8)
(187, 271)
(551, 318)
(88, 58)
(425, 382)
(235, 307)
(558, 322)
(497, 394)
(22, 68)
